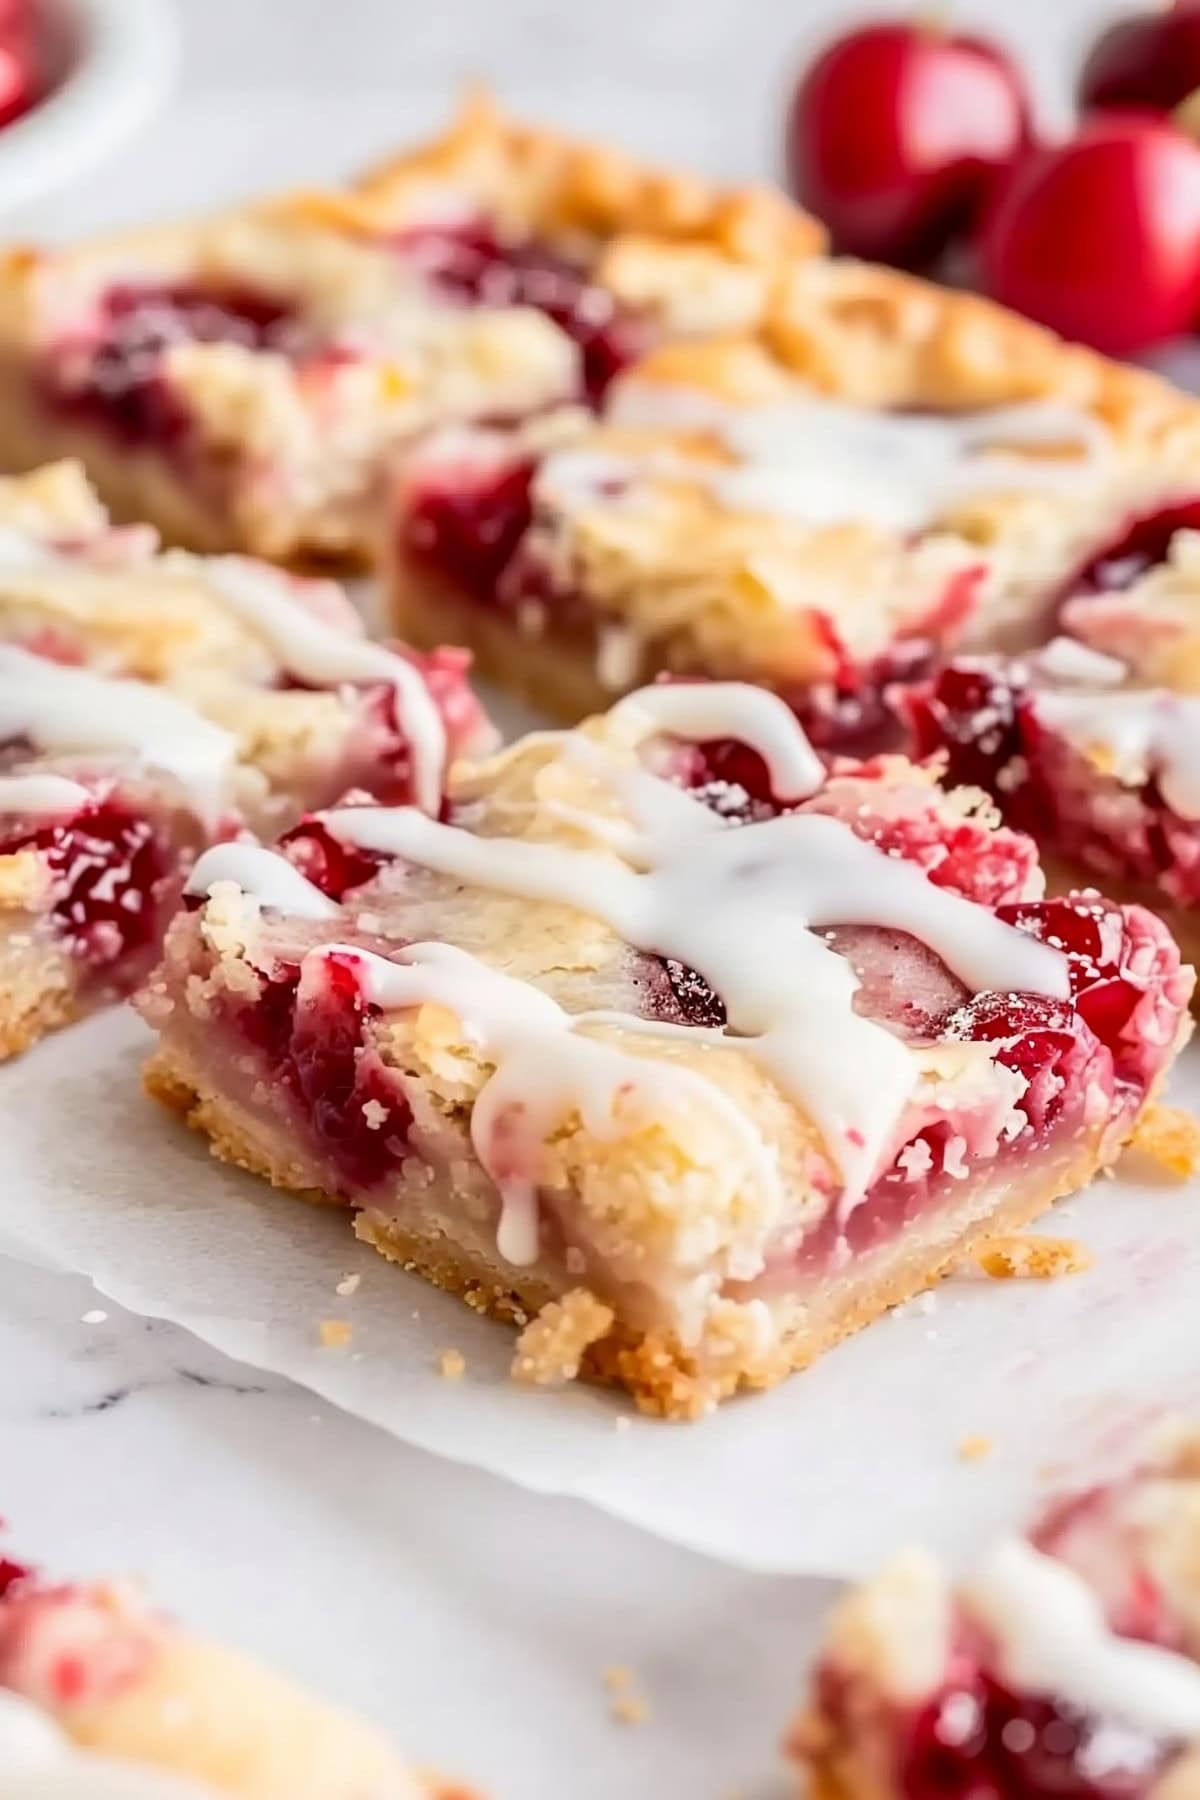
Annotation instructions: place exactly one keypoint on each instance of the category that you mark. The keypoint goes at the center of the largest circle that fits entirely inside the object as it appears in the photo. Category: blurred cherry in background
(896, 134)
(1099, 237)
(1151, 59)
(20, 81)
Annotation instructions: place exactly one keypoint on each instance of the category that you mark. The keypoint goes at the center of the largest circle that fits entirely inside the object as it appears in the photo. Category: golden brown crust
(551, 183)
(885, 338)
(664, 1379)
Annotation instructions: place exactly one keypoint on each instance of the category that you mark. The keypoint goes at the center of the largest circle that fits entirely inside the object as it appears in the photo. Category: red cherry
(1150, 60)
(17, 80)
(896, 134)
(1099, 238)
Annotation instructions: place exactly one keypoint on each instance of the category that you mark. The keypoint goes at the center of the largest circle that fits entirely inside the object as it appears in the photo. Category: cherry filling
(113, 375)
(11, 1573)
(469, 528)
(985, 722)
(472, 266)
(110, 872)
(330, 864)
(1142, 545)
(314, 1046)
(978, 1740)
(978, 718)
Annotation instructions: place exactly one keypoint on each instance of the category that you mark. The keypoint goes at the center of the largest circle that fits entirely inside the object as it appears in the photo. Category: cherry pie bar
(621, 253)
(102, 1698)
(1064, 1664)
(908, 469)
(682, 1052)
(244, 381)
(151, 702)
(1093, 744)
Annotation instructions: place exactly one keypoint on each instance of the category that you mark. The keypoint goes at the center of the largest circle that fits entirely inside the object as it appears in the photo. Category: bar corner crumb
(335, 1334)
(551, 1348)
(452, 1365)
(975, 1447)
(1022, 1257)
(1171, 1137)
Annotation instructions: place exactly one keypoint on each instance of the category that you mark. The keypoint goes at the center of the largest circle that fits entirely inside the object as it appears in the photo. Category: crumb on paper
(975, 1447)
(452, 1365)
(349, 1284)
(551, 1347)
(1171, 1136)
(627, 1707)
(1031, 1258)
(335, 1334)
(95, 1317)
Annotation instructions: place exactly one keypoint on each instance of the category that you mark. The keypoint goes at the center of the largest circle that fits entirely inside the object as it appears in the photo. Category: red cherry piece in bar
(1150, 60)
(896, 135)
(1092, 935)
(1099, 238)
(476, 267)
(469, 527)
(978, 1740)
(1141, 544)
(107, 866)
(324, 860)
(123, 384)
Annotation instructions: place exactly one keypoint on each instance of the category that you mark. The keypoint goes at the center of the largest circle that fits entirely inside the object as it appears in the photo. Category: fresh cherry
(1099, 238)
(1150, 60)
(896, 134)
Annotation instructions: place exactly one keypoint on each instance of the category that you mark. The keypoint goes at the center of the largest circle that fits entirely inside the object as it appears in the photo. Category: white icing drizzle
(269, 877)
(1066, 660)
(743, 907)
(62, 708)
(40, 796)
(702, 710)
(545, 1068)
(1052, 1638)
(825, 462)
(310, 648)
(38, 1762)
(1141, 731)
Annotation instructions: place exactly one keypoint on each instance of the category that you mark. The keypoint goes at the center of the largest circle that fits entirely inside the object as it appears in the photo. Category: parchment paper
(825, 1475)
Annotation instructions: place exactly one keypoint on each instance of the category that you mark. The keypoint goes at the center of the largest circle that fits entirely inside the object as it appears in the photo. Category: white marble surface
(473, 1618)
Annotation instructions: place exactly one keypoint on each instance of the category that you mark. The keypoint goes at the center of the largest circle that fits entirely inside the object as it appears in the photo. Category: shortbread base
(39, 988)
(543, 670)
(665, 1377)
